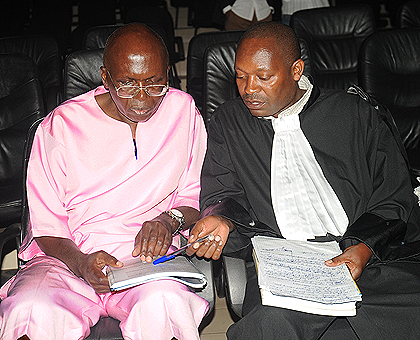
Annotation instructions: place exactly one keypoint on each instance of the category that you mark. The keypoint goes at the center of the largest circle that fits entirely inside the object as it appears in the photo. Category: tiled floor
(218, 326)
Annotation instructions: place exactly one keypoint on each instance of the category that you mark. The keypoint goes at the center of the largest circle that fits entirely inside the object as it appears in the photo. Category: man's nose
(142, 95)
(251, 85)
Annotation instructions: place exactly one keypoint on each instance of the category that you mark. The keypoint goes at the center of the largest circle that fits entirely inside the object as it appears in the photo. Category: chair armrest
(235, 282)
(208, 292)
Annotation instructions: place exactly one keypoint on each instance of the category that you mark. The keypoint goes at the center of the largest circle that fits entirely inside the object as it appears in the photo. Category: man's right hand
(87, 266)
(219, 227)
(90, 268)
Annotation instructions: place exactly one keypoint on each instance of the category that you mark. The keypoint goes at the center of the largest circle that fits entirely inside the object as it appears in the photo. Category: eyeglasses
(130, 91)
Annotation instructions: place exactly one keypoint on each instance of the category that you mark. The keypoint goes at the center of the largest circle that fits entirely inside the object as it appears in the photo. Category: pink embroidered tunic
(86, 184)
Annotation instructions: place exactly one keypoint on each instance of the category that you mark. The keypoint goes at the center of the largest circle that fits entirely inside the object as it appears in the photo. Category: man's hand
(355, 257)
(87, 266)
(90, 269)
(219, 227)
(154, 238)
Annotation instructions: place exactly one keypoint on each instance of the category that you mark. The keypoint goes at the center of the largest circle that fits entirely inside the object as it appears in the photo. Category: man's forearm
(63, 249)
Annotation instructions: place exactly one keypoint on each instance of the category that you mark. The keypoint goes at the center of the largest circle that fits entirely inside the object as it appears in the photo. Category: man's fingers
(105, 259)
(196, 231)
(335, 261)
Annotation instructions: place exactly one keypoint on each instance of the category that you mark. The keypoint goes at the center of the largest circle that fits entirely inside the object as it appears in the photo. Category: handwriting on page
(304, 274)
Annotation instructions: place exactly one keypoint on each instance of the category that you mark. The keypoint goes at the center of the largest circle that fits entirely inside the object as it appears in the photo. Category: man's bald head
(135, 39)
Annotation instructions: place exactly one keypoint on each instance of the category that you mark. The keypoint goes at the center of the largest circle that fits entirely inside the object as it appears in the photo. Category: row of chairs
(211, 81)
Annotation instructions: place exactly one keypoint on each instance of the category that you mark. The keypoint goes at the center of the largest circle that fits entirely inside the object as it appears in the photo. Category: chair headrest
(82, 72)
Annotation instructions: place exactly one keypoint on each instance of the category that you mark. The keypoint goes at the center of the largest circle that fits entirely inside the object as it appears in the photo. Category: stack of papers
(136, 272)
(292, 274)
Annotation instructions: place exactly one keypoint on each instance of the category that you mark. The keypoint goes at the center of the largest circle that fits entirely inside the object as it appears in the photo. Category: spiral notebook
(135, 272)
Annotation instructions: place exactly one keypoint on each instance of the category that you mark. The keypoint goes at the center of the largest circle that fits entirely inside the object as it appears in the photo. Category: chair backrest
(82, 72)
(43, 50)
(219, 75)
(334, 36)
(96, 37)
(20, 104)
(409, 14)
(195, 60)
(389, 71)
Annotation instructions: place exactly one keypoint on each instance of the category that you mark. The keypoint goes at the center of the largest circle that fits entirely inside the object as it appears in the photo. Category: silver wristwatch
(177, 216)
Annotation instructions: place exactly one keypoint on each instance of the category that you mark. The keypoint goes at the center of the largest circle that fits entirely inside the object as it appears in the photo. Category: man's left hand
(355, 257)
(154, 238)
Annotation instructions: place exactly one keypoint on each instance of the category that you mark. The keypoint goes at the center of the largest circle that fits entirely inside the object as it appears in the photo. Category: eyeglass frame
(144, 88)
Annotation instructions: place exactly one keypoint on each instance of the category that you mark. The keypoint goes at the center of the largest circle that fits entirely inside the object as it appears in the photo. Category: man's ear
(297, 69)
(103, 77)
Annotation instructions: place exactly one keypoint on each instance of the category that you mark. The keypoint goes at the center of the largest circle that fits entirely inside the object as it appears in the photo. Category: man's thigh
(46, 299)
(391, 301)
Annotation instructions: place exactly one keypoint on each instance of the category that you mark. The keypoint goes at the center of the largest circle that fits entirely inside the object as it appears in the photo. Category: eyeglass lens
(151, 90)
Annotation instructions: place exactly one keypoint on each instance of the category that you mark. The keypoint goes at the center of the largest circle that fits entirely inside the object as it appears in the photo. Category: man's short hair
(287, 40)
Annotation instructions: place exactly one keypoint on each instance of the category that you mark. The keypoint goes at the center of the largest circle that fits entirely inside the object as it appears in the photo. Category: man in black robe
(363, 175)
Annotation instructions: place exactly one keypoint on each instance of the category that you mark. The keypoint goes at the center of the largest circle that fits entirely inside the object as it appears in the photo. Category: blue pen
(179, 251)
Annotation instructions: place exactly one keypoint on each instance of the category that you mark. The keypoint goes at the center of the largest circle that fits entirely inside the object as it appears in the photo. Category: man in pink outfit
(113, 174)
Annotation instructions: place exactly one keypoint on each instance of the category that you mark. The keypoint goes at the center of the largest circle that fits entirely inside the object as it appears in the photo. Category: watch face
(177, 213)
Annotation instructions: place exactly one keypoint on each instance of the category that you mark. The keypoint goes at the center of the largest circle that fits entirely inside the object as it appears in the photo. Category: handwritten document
(292, 274)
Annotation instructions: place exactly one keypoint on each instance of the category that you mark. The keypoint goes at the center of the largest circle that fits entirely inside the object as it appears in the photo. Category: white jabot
(246, 9)
(305, 205)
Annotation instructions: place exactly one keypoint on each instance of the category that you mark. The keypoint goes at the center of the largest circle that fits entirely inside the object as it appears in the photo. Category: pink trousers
(47, 301)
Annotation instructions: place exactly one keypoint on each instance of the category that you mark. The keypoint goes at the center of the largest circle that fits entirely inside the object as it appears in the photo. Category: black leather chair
(409, 14)
(195, 60)
(334, 36)
(82, 72)
(20, 105)
(389, 71)
(219, 75)
(96, 37)
(44, 52)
